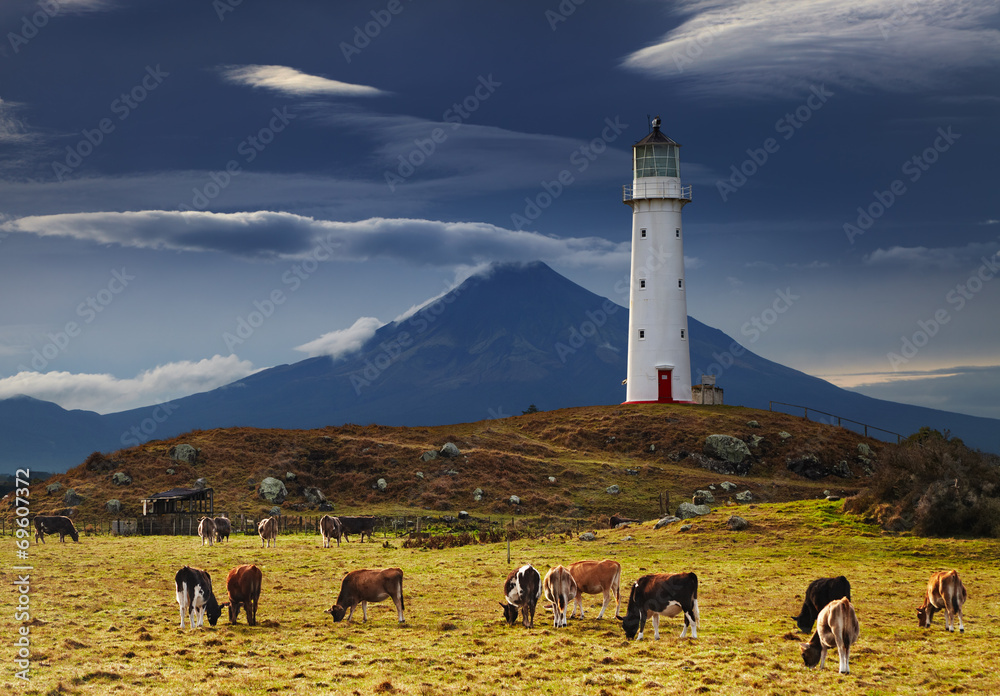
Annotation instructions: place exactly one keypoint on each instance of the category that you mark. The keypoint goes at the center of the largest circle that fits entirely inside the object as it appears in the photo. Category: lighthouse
(659, 360)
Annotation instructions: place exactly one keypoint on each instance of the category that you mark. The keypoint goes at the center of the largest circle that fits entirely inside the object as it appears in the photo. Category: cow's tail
(401, 603)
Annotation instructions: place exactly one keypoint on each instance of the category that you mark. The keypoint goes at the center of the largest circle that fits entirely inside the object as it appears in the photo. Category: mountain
(516, 335)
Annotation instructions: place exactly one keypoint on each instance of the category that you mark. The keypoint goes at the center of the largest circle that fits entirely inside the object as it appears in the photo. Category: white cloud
(755, 48)
(944, 257)
(280, 78)
(12, 129)
(106, 393)
(344, 341)
(266, 234)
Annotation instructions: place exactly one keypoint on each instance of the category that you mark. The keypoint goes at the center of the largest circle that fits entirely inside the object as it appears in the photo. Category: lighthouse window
(683, 334)
(680, 282)
(642, 334)
(642, 283)
(642, 233)
(657, 159)
(677, 233)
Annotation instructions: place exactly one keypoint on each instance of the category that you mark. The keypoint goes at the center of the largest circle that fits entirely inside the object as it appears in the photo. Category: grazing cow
(194, 595)
(206, 530)
(836, 627)
(616, 520)
(363, 586)
(243, 583)
(268, 530)
(668, 594)
(55, 524)
(944, 591)
(222, 528)
(357, 525)
(820, 593)
(595, 577)
(329, 528)
(522, 588)
(559, 588)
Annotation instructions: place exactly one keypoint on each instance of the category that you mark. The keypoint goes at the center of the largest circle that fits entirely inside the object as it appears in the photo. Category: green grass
(106, 621)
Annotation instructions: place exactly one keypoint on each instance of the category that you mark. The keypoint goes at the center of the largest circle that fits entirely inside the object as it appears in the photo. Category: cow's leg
(397, 599)
(364, 612)
(578, 604)
(607, 601)
(656, 626)
(822, 657)
(844, 652)
(691, 619)
(180, 602)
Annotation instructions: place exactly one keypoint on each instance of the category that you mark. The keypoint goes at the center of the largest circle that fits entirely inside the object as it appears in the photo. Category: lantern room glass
(655, 160)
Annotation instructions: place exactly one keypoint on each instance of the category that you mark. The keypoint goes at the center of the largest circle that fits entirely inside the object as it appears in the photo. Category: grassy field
(104, 617)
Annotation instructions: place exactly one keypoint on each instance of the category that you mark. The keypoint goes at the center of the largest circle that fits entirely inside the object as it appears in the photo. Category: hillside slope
(644, 450)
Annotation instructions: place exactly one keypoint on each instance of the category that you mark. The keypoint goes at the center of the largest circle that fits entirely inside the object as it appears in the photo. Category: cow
(944, 591)
(55, 524)
(195, 597)
(357, 525)
(222, 528)
(836, 627)
(522, 588)
(268, 530)
(595, 577)
(559, 588)
(820, 593)
(329, 528)
(617, 519)
(243, 583)
(363, 586)
(668, 594)
(206, 530)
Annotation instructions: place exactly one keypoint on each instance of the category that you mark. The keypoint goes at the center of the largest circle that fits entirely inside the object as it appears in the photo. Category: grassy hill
(644, 450)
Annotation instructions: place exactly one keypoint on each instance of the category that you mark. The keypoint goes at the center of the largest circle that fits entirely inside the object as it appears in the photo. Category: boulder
(705, 496)
(429, 455)
(52, 488)
(382, 484)
(832, 498)
(419, 474)
(663, 522)
(808, 466)
(841, 469)
(753, 424)
(736, 524)
(744, 497)
(275, 511)
(171, 472)
(463, 515)
(865, 451)
(313, 495)
(684, 528)
(71, 497)
(552, 479)
(326, 506)
(727, 486)
(184, 453)
(514, 500)
(272, 490)
(201, 484)
(688, 510)
(477, 494)
(755, 441)
(290, 476)
(114, 506)
(588, 536)
(120, 478)
(784, 435)
(450, 449)
(727, 448)
(613, 490)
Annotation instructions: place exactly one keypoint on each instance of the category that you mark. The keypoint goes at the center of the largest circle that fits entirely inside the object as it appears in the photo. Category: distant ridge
(515, 335)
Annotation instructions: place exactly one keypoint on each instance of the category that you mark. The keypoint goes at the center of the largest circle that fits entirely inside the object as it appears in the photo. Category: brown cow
(268, 530)
(836, 627)
(944, 591)
(222, 528)
(206, 530)
(243, 583)
(595, 577)
(329, 528)
(559, 588)
(363, 586)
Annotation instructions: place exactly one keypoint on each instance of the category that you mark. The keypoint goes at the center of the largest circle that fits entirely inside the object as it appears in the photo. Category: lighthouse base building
(659, 359)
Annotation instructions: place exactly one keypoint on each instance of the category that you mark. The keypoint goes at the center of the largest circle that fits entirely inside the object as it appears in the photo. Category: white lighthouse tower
(659, 361)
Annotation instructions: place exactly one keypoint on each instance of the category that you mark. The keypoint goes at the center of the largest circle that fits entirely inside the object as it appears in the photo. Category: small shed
(176, 511)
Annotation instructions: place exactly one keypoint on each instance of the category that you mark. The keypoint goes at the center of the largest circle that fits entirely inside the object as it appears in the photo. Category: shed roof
(180, 494)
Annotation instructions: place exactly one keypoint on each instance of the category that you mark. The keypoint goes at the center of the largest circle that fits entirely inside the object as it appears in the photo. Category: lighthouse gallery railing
(657, 189)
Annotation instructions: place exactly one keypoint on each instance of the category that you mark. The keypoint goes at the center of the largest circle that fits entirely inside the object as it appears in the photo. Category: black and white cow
(820, 593)
(195, 596)
(522, 589)
(667, 594)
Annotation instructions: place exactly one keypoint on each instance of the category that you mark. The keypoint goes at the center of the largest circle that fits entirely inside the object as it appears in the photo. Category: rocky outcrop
(273, 490)
(450, 449)
(120, 478)
(184, 453)
(727, 448)
(688, 510)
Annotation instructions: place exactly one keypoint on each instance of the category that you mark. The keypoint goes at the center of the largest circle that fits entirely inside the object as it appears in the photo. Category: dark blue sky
(170, 168)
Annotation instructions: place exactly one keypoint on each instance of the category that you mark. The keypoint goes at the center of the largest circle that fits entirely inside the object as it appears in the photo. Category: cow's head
(213, 611)
(810, 654)
(509, 613)
(337, 612)
(924, 615)
(74, 534)
(630, 624)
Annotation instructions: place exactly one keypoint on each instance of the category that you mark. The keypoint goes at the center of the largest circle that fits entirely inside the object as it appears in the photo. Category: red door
(665, 393)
